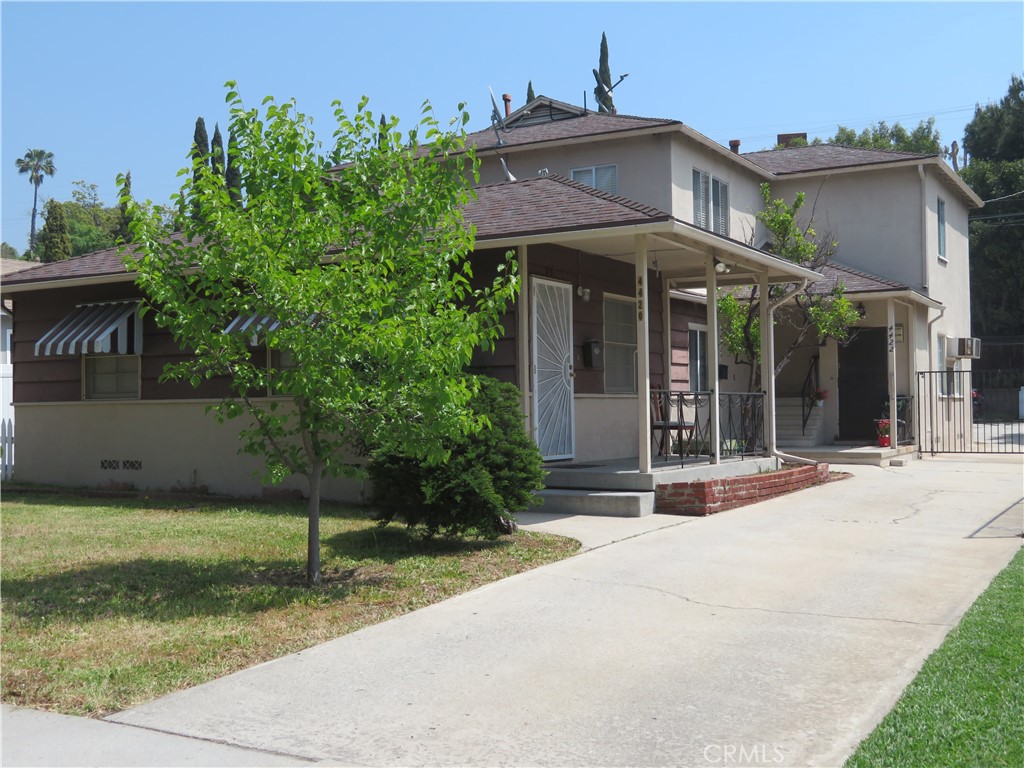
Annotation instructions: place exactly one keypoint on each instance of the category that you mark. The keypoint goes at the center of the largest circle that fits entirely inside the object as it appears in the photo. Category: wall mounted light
(583, 293)
(722, 268)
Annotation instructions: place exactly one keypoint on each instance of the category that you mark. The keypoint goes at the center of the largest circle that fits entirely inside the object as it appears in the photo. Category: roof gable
(821, 157)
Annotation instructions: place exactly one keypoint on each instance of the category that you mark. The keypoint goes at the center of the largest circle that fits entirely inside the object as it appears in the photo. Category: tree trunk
(32, 233)
(313, 543)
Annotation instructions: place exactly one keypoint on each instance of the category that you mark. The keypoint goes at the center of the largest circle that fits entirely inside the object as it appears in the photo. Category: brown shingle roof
(821, 157)
(509, 209)
(854, 281)
(592, 124)
(551, 204)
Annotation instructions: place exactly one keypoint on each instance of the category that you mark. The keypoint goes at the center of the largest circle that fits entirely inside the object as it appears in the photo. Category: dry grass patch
(109, 603)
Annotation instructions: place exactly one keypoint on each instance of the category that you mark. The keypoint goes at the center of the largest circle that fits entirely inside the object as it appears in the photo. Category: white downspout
(712, 314)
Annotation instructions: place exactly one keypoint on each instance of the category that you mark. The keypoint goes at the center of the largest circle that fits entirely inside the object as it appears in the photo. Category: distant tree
(994, 144)
(529, 92)
(37, 163)
(232, 178)
(815, 315)
(122, 231)
(8, 251)
(923, 140)
(87, 196)
(604, 78)
(200, 153)
(91, 225)
(366, 274)
(54, 240)
(217, 151)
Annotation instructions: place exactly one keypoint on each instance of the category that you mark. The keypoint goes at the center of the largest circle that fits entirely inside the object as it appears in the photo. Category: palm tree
(36, 163)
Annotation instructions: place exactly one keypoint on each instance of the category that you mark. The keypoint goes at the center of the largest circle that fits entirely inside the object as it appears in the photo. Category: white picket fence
(6, 449)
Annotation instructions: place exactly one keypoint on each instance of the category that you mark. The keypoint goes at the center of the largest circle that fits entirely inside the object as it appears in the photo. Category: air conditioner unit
(968, 347)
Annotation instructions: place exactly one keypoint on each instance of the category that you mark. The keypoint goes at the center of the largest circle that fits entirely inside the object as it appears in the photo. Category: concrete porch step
(605, 503)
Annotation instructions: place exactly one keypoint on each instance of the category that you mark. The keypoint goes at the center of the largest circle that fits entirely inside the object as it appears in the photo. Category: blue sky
(109, 87)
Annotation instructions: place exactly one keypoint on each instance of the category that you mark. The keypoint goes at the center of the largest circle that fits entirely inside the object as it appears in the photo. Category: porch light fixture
(583, 293)
(722, 268)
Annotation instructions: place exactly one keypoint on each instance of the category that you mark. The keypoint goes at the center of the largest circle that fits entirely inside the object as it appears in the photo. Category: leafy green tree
(529, 92)
(814, 314)
(8, 251)
(54, 240)
(994, 144)
(365, 274)
(37, 163)
(603, 90)
(122, 230)
(923, 140)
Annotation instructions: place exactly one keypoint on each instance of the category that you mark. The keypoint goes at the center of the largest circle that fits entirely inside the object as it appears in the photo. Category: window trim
(702, 365)
(635, 345)
(593, 175)
(707, 212)
(940, 215)
(118, 396)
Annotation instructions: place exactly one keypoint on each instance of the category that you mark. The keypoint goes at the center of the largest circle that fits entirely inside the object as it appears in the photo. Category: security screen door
(553, 414)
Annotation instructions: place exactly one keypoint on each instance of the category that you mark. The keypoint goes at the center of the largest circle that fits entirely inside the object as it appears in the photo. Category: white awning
(253, 326)
(92, 328)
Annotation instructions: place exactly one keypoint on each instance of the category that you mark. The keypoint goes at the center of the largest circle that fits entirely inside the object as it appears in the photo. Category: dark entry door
(863, 387)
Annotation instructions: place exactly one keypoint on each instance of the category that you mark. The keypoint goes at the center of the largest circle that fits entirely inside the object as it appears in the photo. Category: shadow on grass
(396, 542)
(161, 589)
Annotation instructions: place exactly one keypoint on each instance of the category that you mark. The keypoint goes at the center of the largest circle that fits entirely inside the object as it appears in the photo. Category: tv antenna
(497, 121)
(602, 87)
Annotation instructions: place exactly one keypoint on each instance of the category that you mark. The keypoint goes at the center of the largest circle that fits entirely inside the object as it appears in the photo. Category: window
(602, 177)
(619, 346)
(710, 203)
(698, 354)
(111, 377)
(941, 209)
(280, 360)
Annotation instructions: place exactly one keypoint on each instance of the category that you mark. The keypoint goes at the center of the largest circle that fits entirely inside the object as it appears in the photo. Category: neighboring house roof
(106, 262)
(10, 266)
(860, 284)
(817, 159)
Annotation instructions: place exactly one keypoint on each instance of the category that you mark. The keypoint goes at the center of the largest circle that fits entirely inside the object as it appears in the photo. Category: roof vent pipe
(507, 98)
(734, 145)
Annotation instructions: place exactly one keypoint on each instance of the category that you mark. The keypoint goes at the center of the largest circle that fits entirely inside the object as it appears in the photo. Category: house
(7, 267)
(623, 227)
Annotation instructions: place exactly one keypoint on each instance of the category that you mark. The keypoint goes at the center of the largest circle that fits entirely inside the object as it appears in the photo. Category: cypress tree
(55, 239)
(217, 151)
(604, 95)
(200, 153)
(529, 92)
(232, 177)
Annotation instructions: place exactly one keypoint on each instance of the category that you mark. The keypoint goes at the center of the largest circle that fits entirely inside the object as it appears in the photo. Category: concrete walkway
(779, 633)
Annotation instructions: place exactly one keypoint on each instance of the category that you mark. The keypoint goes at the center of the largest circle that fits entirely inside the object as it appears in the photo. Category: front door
(553, 414)
(863, 384)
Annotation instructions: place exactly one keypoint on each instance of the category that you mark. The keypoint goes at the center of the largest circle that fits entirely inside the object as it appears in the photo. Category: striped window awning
(254, 326)
(113, 326)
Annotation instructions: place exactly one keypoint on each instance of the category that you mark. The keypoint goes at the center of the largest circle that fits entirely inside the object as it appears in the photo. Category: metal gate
(970, 411)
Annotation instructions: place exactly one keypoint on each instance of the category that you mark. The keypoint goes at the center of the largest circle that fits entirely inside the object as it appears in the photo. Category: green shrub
(488, 477)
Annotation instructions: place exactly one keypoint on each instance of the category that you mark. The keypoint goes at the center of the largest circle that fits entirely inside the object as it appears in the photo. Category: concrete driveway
(776, 634)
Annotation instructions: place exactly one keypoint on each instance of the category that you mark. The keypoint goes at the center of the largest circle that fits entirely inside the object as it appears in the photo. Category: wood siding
(683, 313)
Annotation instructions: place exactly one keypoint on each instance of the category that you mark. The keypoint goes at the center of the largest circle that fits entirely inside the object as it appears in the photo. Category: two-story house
(624, 228)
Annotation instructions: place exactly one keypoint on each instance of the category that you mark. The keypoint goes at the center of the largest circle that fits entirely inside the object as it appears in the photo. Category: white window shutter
(720, 193)
(701, 199)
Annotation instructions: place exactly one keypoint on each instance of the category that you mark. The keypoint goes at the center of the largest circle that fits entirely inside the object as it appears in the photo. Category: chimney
(734, 145)
(786, 139)
(507, 98)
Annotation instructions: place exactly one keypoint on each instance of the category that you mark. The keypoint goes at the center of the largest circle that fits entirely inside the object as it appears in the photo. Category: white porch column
(712, 314)
(523, 335)
(643, 363)
(666, 345)
(890, 308)
(767, 364)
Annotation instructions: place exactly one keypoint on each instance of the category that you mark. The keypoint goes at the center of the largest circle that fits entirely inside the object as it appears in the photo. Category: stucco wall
(744, 186)
(606, 427)
(178, 445)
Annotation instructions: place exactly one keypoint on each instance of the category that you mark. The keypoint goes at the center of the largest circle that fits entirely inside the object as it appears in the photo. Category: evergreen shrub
(489, 476)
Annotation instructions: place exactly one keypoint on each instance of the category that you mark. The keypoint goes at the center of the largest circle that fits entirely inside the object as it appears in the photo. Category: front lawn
(109, 603)
(966, 705)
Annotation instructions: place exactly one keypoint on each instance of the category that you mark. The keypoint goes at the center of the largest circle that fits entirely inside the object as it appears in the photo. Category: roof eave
(894, 293)
(67, 282)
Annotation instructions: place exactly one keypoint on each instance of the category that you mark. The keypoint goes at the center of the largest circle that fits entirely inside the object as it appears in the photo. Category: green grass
(966, 705)
(109, 603)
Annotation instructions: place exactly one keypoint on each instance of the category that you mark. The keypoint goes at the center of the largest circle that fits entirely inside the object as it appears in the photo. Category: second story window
(941, 210)
(603, 177)
(710, 203)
